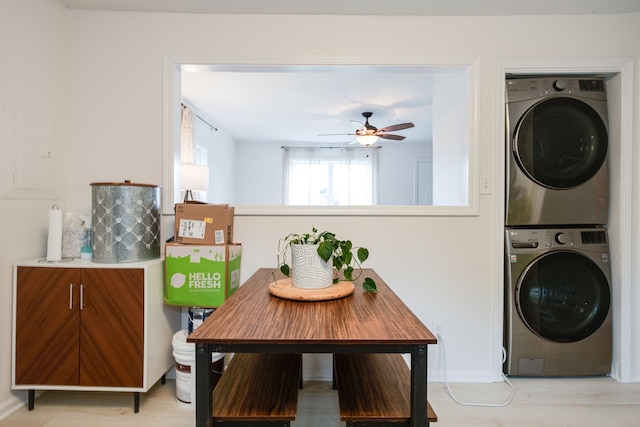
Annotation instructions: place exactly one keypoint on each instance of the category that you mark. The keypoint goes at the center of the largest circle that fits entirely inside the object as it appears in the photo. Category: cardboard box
(201, 275)
(203, 224)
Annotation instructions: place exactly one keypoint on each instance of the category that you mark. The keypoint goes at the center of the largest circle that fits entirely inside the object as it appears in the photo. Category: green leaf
(325, 251)
(284, 268)
(348, 273)
(369, 285)
(347, 257)
(363, 254)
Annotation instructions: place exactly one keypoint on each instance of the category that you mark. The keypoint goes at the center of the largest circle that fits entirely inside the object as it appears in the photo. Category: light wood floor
(568, 402)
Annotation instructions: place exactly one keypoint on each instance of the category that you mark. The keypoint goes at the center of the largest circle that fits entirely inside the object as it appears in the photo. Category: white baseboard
(11, 406)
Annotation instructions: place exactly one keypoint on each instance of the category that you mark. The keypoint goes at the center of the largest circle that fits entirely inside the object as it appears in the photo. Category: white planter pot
(308, 270)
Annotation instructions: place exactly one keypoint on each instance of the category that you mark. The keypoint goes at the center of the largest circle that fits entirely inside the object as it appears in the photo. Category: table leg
(203, 397)
(419, 386)
(334, 383)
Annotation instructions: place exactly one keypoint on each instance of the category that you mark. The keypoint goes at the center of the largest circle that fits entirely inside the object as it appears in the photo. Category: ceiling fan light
(366, 140)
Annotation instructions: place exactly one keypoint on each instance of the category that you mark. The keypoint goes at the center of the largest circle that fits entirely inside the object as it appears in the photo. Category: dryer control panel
(519, 89)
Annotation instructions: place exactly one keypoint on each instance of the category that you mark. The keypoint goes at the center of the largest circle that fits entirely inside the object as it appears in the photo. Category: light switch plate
(486, 186)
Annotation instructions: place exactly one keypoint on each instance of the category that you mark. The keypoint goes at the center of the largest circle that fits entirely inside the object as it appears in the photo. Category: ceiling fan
(368, 134)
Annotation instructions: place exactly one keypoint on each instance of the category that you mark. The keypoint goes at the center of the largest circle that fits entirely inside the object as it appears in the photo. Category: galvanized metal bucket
(125, 222)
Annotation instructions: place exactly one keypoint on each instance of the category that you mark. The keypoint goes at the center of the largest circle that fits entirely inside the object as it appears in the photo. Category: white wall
(258, 179)
(222, 163)
(450, 142)
(397, 171)
(447, 269)
(33, 101)
(444, 267)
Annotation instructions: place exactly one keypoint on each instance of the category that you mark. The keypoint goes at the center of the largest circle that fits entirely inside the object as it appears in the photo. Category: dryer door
(563, 296)
(560, 143)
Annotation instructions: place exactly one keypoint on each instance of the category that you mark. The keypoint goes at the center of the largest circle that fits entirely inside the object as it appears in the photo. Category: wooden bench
(375, 390)
(258, 390)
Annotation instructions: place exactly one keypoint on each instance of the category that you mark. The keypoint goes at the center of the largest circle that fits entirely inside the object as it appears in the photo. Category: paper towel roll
(54, 241)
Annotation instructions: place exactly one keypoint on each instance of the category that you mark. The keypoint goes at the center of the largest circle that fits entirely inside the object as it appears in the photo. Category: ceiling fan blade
(390, 136)
(336, 134)
(396, 127)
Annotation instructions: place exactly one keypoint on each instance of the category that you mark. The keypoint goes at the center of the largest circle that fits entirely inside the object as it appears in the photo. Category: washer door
(560, 143)
(563, 296)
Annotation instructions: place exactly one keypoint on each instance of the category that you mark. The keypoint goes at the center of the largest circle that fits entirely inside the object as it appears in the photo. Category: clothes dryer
(557, 151)
(557, 302)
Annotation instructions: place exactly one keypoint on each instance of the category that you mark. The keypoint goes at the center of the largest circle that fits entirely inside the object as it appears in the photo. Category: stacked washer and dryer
(557, 273)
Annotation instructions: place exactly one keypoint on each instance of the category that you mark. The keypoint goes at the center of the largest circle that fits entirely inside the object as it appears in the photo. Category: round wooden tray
(284, 288)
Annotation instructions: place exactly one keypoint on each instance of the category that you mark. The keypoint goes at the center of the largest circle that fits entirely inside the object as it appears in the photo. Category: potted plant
(340, 258)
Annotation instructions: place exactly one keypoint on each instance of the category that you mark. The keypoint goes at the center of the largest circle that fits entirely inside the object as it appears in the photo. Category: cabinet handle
(81, 297)
(71, 296)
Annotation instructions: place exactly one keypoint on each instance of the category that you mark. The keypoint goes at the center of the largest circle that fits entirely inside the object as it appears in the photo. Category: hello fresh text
(205, 280)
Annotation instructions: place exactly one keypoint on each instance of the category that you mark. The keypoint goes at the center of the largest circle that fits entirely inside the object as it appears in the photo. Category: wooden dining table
(254, 321)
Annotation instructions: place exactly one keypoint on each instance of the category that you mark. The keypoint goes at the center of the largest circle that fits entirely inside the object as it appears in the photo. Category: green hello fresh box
(201, 275)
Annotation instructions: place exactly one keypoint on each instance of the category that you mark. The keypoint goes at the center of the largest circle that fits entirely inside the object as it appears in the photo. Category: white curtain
(330, 176)
(194, 171)
(361, 178)
(187, 138)
(298, 185)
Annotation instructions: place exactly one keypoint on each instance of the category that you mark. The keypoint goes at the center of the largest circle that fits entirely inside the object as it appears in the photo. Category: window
(330, 176)
(446, 113)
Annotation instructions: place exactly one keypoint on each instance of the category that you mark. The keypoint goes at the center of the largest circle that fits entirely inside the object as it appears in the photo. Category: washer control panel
(540, 239)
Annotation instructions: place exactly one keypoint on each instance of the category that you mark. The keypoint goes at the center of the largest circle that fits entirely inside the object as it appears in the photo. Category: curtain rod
(206, 122)
(330, 148)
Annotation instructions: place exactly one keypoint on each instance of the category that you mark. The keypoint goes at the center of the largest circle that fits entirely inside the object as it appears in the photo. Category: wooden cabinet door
(47, 326)
(112, 327)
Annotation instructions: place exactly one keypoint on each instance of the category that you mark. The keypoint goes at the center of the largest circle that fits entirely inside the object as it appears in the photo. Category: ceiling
(295, 107)
(290, 106)
(367, 7)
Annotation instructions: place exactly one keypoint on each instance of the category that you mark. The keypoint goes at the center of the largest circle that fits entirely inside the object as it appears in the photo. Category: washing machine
(557, 149)
(557, 302)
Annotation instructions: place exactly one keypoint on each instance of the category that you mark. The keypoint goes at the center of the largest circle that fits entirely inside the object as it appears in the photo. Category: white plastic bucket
(184, 353)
